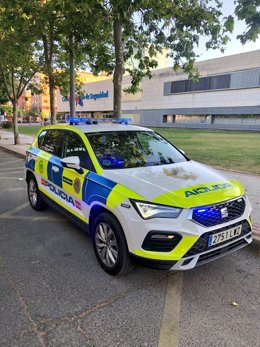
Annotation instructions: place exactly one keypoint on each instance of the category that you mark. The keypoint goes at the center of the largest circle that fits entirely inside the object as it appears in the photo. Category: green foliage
(112, 36)
(6, 125)
(18, 50)
(3, 95)
(149, 27)
(32, 112)
(8, 109)
(249, 11)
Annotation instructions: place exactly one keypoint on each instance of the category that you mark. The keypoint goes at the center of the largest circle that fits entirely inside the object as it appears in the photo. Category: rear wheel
(34, 194)
(110, 245)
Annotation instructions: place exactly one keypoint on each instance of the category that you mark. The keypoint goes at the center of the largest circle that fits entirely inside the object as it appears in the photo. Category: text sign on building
(87, 96)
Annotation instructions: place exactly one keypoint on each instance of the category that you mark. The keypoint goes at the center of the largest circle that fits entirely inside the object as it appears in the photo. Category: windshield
(128, 149)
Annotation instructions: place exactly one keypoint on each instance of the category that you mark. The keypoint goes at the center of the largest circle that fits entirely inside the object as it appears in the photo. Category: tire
(110, 245)
(34, 194)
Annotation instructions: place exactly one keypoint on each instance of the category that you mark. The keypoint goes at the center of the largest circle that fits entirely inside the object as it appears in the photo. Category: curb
(11, 151)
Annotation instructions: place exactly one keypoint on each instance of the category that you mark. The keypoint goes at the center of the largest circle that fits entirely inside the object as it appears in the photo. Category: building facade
(227, 95)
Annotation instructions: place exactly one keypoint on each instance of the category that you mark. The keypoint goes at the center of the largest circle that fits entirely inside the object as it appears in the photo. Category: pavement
(250, 182)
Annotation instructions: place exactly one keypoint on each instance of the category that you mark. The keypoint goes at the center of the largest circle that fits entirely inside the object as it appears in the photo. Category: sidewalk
(7, 143)
(250, 182)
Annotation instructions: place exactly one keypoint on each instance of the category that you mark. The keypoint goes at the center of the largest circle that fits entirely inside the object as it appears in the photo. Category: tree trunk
(119, 68)
(15, 122)
(48, 45)
(52, 97)
(72, 78)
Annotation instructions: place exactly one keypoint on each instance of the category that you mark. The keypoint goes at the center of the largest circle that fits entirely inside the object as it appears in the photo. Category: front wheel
(110, 245)
(34, 194)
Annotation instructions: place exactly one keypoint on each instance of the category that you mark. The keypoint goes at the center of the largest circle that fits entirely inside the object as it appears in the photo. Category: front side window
(74, 146)
(128, 149)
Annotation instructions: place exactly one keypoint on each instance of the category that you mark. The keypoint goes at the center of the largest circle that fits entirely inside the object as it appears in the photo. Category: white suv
(137, 195)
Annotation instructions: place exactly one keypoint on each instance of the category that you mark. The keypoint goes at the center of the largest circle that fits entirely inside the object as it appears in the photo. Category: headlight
(148, 210)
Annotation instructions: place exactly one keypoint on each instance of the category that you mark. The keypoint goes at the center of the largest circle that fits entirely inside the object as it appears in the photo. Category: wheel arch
(95, 211)
(29, 173)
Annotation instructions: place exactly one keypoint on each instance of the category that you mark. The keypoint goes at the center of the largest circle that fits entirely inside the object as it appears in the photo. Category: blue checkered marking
(55, 177)
(96, 188)
(30, 164)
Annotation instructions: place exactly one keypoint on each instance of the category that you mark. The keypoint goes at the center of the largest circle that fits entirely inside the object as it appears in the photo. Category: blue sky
(234, 46)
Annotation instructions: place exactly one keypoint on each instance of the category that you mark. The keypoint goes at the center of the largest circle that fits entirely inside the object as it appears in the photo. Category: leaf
(234, 303)
(229, 23)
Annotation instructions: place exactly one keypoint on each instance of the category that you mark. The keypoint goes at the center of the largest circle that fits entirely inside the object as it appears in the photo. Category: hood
(184, 184)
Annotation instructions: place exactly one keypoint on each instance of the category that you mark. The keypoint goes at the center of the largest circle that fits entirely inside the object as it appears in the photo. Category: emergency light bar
(77, 120)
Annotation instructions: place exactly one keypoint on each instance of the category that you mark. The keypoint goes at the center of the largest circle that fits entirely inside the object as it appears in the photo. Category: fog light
(162, 236)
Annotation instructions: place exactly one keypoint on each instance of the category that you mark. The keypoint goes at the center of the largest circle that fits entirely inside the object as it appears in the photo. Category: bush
(6, 125)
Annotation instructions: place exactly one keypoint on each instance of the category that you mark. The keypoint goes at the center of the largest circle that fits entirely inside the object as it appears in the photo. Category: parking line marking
(11, 173)
(169, 332)
(11, 168)
(13, 189)
(14, 161)
(10, 178)
(34, 219)
(18, 208)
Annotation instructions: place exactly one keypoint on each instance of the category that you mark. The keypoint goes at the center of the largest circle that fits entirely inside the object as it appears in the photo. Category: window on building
(169, 118)
(202, 84)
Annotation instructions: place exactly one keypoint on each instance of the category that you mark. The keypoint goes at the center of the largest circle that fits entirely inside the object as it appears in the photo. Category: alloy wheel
(106, 244)
(33, 192)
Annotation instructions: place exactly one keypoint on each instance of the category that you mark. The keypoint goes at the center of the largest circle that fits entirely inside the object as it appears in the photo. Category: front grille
(202, 243)
(219, 213)
(159, 241)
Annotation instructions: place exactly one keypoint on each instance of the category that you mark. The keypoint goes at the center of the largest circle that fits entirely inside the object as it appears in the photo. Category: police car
(137, 195)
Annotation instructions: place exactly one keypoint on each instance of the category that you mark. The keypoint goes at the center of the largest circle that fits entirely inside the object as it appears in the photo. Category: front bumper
(200, 254)
(196, 256)
(191, 249)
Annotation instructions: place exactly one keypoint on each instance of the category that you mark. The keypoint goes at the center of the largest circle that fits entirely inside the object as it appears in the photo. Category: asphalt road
(54, 293)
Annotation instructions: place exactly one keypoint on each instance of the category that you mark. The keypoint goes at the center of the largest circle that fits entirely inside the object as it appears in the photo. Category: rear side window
(41, 138)
(51, 141)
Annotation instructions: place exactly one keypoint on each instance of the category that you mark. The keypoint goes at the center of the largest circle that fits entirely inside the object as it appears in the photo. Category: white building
(227, 95)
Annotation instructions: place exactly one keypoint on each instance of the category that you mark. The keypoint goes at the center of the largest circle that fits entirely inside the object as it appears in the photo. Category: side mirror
(72, 162)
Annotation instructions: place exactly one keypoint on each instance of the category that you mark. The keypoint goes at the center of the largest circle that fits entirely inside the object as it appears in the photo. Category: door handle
(55, 169)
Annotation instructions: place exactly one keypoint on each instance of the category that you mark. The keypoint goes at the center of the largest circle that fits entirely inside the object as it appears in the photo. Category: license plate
(224, 235)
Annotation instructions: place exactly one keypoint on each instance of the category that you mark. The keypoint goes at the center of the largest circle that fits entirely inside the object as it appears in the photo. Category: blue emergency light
(78, 120)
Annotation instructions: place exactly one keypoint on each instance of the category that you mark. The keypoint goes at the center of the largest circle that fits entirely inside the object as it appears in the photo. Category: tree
(249, 11)
(81, 29)
(45, 19)
(62, 27)
(19, 59)
(143, 28)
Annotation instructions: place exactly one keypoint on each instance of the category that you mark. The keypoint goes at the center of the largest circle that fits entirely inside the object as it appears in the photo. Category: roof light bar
(78, 120)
